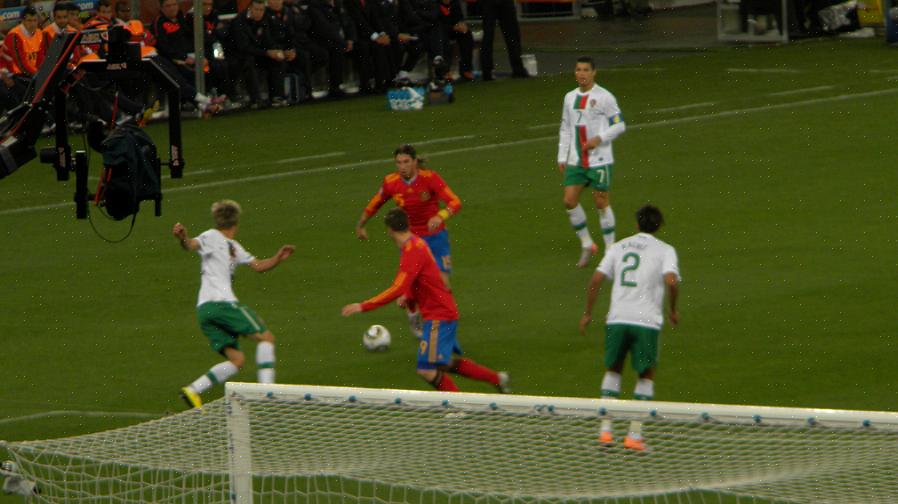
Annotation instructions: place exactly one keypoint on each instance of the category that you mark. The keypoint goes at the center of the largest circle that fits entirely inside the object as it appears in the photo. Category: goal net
(295, 443)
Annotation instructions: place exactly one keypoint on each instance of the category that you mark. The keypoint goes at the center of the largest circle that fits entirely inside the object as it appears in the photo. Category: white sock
(645, 390)
(201, 99)
(606, 425)
(611, 384)
(635, 429)
(218, 374)
(606, 220)
(578, 221)
(265, 361)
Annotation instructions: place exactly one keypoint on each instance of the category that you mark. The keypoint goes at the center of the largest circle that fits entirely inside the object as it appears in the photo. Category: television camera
(132, 169)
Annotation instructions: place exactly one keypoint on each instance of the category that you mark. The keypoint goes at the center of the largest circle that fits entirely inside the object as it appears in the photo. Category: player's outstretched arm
(263, 265)
(360, 232)
(187, 243)
(673, 289)
(592, 293)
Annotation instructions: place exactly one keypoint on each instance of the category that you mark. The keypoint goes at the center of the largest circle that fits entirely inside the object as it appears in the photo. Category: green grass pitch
(780, 205)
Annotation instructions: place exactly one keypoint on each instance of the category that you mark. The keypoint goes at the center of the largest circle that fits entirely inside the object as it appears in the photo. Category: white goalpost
(329, 445)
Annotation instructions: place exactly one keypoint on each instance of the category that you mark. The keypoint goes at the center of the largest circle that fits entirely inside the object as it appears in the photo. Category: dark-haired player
(418, 191)
(420, 279)
(590, 121)
(641, 267)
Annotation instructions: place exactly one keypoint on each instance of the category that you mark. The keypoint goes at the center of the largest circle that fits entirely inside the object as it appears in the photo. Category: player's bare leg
(219, 373)
(265, 357)
(606, 216)
(577, 217)
(439, 379)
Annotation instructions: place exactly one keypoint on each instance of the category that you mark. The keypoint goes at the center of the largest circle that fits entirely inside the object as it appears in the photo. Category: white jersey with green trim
(636, 265)
(584, 116)
(220, 256)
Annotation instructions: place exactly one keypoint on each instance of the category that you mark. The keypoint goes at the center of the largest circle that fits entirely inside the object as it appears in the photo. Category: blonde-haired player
(222, 318)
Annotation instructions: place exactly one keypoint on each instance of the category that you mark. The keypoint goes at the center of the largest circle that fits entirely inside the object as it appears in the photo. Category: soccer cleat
(606, 438)
(586, 254)
(191, 398)
(416, 323)
(635, 444)
(503, 386)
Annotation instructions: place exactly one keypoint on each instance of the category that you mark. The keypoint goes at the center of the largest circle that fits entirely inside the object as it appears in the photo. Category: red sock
(445, 384)
(470, 369)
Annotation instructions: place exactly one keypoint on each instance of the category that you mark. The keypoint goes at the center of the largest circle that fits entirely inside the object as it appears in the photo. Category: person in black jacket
(398, 22)
(372, 44)
(452, 27)
(425, 26)
(174, 38)
(252, 38)
(310, 55)
(219, 74)
(332, 28)
(505, 13)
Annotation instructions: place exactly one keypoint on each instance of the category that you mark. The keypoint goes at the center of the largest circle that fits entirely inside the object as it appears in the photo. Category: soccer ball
(376, 338)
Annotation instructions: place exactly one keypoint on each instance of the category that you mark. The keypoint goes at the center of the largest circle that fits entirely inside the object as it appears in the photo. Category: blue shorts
(438, 344)
(439, 247)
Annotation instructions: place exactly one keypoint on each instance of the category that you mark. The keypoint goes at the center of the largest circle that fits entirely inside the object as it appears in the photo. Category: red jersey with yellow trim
(418, 278)
(420, 198)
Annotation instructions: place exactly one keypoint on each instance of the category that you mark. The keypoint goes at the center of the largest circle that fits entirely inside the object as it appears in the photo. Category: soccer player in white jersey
(641, 268)
(222, 318)
(590, 121)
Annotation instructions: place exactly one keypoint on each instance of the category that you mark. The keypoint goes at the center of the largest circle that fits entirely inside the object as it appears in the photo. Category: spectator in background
(425, 26)
(333, 29)
(256, 51)
(174, 40)
(103, 17)
(452, 27)
(282, 28)
(213, 35)
(135, 26)
(370, 51)
(59, 24)
(310, 55)
(74, 16)
(396, 18)
(505, 13)
(24, 45)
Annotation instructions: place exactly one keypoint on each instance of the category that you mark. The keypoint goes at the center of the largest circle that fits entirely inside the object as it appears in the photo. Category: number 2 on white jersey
(631, 261)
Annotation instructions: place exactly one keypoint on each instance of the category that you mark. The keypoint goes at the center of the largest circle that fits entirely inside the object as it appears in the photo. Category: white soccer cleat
(586, 255)
(504, 380)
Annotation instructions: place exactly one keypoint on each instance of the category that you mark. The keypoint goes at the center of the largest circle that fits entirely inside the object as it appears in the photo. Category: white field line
(443, 140)
(683, 107)
(800, 91)
(186, 173)
(883, 70)
(500, 145)
(750, 110)
(307, 158)
(893, 78)
(60, 413)
(764, 70)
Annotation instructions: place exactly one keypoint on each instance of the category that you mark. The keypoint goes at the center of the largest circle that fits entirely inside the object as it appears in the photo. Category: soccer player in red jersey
(418, 191)
(420, 279)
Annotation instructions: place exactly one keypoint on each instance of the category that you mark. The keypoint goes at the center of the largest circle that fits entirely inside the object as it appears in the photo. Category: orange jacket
(26, 50)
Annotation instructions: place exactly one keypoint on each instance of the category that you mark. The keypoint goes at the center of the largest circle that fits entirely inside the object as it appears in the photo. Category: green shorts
(641, 342)
(596, 177)
(224, 322)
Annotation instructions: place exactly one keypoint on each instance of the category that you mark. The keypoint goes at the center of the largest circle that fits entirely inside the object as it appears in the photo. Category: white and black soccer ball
(376, 338)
